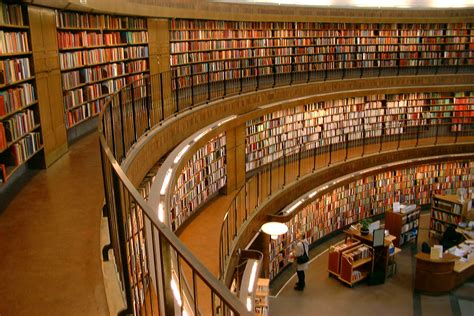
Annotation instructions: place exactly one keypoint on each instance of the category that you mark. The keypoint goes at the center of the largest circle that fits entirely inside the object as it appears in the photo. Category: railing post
(258, 76)
(399, 138)
(132, 87)
(111, 127)
(271, 172)
(363, 137)
(436, 138)
(284, 164)
(245, 200)
(258, 189)
(208, 82)
(149, 101)
(121, 123)
(235, 218)
(314, 157)
(347, 147)
(417, 134)
(177, 88)
(225, 82)
(122, 244)
(162, 98)
(299, 163)
(192, 84)
(241, 75)
(330, 154)
(105, 209)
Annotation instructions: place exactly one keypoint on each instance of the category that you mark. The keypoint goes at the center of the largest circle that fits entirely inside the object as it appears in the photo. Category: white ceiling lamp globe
(274, 229)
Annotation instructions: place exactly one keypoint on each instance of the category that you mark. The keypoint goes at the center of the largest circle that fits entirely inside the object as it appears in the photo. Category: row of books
(202, 176)
(83, 112)
(13, 70)
(67, 19)
(197, 174)
(11, 14)
(359, 253)
(320, 45)
(15, 98)
(3, 138)
(17, 126)
(201, 32)
(371, 195)
(73, 98)
(25, 148)
(186, 195)
(99, 56)
(292, 127)
(449, 207)
(177, 218)
(14, 42)
(407, 227)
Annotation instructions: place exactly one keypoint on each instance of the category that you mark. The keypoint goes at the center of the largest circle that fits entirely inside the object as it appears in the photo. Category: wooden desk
(438, 276)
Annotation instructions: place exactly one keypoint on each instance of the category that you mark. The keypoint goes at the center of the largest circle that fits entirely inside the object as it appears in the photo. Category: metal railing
(143, 248)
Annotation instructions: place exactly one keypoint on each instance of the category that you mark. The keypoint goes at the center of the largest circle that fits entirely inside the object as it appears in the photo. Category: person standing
(300, 248)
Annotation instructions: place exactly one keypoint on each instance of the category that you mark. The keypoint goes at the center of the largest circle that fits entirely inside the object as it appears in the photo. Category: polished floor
(50, 260)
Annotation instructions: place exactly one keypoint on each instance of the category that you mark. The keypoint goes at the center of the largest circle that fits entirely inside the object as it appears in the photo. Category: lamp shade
(274, 229)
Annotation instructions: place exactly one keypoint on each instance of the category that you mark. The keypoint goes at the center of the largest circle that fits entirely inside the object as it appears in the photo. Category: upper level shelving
(278, 134)
(224, 50)
(98, 55)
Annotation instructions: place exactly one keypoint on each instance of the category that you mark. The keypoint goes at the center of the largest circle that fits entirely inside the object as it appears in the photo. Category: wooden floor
(50, 260)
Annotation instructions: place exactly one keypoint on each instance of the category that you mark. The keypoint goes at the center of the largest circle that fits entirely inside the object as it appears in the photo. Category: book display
(366, 197)
(356, 264)
(335, 255)
(98, 55)
(399, 116)
(261, 297)
(446, 210)
(208, 51)
(20, 131)
(403, 225)
(201, 177)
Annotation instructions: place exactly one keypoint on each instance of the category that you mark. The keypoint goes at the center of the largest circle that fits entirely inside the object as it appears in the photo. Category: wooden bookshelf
(446, 210)
(261, 297)
(356, 264)
(98, 55)
(200, 179)
(357, 119)
(404, 226)
(367, 197)
(209, 51)
(20, 128)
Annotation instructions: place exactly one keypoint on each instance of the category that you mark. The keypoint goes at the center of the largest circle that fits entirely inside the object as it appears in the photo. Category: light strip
(161, 212)
(176, 294)
(180, 154)
(362, 3)
(252, 277)
(291, 209)
(249, 303)
(166, 181)
(201, 135)
(230, 118)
